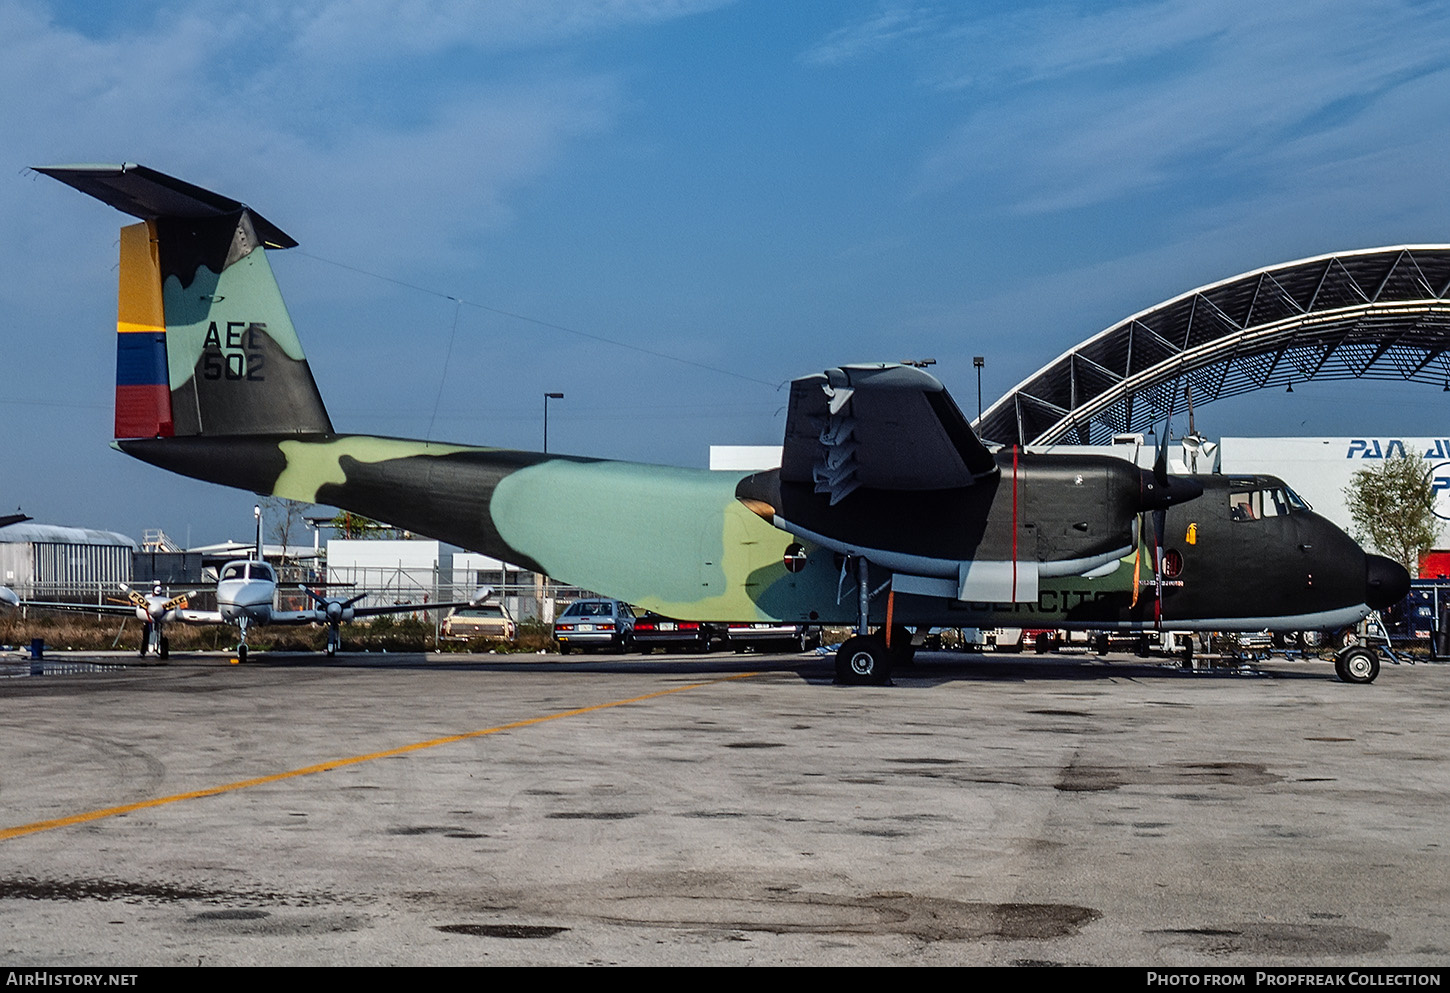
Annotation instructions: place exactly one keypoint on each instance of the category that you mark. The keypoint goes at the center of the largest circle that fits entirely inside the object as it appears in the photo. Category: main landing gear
(865, 658)
(153, 639)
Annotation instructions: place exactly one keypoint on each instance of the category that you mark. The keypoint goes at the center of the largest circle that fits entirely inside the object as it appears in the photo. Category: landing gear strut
(864, 658)
(153, 639)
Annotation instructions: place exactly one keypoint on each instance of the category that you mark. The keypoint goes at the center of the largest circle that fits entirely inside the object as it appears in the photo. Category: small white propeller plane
(246, 594)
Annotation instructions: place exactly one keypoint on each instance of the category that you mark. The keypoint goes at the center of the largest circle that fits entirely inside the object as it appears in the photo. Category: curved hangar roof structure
(1378, 313)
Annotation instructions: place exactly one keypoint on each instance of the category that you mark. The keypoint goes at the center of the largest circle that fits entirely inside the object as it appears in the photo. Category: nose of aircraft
(1386, 582)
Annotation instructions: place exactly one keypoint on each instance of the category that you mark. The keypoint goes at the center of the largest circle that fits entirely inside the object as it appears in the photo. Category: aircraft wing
(406, 608)
(188, 616)
(308, 616)
(320, 613)
(8, 597)
(884, 427)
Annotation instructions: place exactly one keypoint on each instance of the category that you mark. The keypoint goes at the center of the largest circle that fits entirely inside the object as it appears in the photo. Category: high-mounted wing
(887, 427)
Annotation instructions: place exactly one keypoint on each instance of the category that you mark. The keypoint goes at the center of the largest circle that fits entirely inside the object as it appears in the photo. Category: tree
(350, 525)
(283, 518)
(1393, 508)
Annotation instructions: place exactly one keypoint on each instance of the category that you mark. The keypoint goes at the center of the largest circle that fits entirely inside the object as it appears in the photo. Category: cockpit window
(1255, 505)
(249, 570)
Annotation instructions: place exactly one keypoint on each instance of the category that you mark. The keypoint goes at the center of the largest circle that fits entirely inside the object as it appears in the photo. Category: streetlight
(979, 361)
(547, 398)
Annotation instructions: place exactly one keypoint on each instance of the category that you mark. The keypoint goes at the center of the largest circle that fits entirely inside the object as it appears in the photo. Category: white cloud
(890, 25)
(350, 29)
(398, 132)
(1070, 105)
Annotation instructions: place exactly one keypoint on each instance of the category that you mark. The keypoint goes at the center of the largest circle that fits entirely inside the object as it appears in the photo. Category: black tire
(163, 649)
(1357, 665)
(145, 639)
(863, 659)
(1101, 643)
(242, 652)
(563, 648)
(903, 652)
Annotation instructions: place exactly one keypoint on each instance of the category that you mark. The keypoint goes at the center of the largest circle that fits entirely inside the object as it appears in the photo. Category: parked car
(591, 624)
(777, 637)
(482, 620)
(652, 630)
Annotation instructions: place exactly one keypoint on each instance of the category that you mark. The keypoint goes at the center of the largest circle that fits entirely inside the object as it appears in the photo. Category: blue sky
(732, 193)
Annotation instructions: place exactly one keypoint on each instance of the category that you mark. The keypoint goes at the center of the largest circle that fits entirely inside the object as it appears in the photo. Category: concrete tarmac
(719, 809)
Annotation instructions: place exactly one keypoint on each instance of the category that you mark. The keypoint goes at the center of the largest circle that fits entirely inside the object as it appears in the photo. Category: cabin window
(1255, 505)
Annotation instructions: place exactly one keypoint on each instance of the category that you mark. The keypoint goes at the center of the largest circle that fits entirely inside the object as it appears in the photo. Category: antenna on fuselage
(257, 513)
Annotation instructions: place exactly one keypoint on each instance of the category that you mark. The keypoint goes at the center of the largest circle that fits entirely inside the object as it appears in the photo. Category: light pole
(547, 398)
(979, 361)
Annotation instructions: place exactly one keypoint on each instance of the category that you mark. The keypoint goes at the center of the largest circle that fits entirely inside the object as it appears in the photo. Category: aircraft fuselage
(684, 543)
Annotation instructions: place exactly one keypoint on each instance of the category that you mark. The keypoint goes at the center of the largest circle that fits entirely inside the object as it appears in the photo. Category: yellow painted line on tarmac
(96, 815)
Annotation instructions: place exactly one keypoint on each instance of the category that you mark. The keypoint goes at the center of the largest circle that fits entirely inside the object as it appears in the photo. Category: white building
(45, 561)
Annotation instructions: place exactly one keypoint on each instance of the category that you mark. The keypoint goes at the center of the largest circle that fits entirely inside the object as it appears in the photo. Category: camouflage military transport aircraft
(887, 510)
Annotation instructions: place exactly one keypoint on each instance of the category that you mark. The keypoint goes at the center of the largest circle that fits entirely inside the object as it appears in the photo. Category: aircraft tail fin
(205, 345)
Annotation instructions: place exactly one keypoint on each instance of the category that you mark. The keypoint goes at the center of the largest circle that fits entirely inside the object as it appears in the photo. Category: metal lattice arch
(1379, 313)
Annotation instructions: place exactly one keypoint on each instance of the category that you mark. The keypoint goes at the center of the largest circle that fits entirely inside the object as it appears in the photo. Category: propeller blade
(180, 600)
(1137, 559)
(1160, 517)
(1160, 461)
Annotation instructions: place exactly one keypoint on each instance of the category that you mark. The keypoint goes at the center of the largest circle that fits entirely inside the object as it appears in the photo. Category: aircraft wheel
(1358, 665)
(242, 652)
(145, 639)
(164, 648)
(563, 649)
(863, 659)
(331, 648)
(1101, 644)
